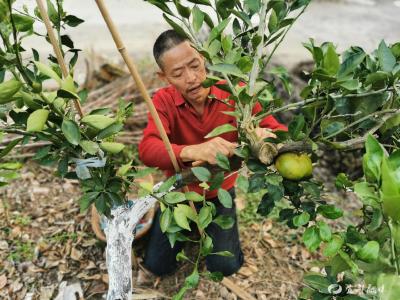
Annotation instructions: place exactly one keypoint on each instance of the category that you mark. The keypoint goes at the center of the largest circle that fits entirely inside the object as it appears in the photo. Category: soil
(47, 244)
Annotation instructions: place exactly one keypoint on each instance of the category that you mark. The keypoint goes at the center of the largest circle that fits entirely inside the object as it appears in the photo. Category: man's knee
(226, 265)
(158, 268)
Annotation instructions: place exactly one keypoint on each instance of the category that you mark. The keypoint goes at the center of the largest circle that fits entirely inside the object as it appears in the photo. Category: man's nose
(190, 76)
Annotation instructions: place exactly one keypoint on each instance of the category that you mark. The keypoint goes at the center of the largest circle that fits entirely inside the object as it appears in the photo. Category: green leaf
(181, 214)
(8, 89)
(228, 69)
(252, 5)
(71, 131)
(110, 130)
(220, 130)
(73, 21)
(215, 276)
(181, 256)
(372, 159)
(161, 5)
(390, 191)
(23, 23)
(311, 238)
(112, 147)
(331, 128)
(182, 10)
(203, 2)
(266, 205)
(214, 48)
(386, 58)
(46, 70)
(166, 185)
(331, 60)
(351, 63)
(389, 285)
(272, 22)
(377, 80)
(207, 246)
(333, 246)
(223, 161)
(124, 169)
(296, 126)
(68, 84)
(330, 211)
(317, 282)
(86, 200)
(216, 31)
(242, 183)
(205, 217)
(224, 253)
(301, 219)
(193, 196)
(390, 179)
(324, 231)
(37, 120)
(217, 181)
(227, 43)
(11, 166)
(350, 85)
(52, 12)
(89, 147)
(201, 174)
(367, 194)
(97, 121)
(225, 222)
(174, 197)
(198, 18)
(193, 279)
(175, 26)
(369, 252)
(165, 219)
(225, 198)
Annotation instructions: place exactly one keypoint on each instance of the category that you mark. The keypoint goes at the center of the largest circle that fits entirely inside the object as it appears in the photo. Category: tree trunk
(119, 231)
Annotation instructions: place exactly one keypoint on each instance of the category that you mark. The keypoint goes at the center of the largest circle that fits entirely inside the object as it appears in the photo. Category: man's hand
(207, 152)
(264, 133)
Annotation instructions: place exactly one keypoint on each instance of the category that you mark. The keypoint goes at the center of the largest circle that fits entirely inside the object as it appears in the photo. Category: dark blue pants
(160, 257)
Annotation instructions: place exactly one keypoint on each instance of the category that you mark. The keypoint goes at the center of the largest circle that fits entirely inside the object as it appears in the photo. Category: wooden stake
(139, 82)
(56, 48)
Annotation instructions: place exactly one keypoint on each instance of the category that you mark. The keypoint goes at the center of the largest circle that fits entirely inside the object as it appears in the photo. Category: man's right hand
(207, 152)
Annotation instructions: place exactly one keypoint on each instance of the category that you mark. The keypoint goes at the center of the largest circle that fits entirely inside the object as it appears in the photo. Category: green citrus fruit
(36, 87)
(294, 166)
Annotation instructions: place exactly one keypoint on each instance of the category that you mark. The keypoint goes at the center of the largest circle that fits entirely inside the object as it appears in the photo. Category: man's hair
(165, 41)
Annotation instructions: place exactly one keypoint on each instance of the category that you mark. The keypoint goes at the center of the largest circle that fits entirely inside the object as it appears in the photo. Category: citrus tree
(351, 101)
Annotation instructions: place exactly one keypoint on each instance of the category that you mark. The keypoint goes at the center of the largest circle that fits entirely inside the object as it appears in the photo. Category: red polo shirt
(184, 126)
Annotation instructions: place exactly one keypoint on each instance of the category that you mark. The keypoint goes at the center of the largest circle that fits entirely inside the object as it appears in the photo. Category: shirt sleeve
(152, 151)
(268, 121)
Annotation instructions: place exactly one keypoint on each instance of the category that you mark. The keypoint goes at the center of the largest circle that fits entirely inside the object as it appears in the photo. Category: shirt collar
(179, 100)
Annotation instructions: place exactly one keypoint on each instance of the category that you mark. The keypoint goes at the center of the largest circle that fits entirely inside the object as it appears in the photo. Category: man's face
(183, 67)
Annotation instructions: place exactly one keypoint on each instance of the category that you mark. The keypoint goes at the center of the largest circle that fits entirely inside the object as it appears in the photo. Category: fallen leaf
(3, 281)
(76, 254)
(245, 271)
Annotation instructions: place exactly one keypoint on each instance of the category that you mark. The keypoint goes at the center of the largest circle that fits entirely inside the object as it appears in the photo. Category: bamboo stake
(139, 82)
(56, 48)
(135, 74)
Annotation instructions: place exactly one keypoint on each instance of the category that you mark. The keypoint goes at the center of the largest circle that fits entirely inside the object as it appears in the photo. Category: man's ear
(162, 76)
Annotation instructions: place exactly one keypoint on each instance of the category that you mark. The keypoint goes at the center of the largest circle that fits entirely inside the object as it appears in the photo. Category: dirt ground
(47, 244)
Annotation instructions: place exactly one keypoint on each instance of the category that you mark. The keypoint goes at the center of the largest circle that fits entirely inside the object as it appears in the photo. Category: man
(188, 113)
